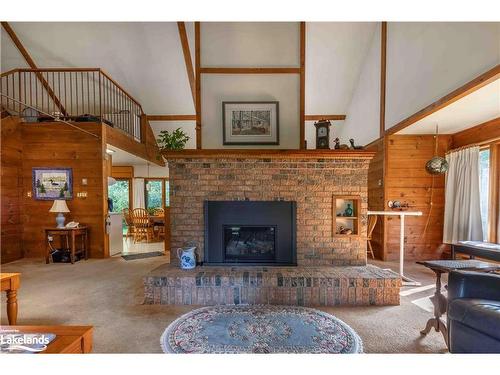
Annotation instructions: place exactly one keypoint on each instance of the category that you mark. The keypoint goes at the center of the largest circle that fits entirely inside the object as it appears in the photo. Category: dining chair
(159, 226)
(159, 211)
(127, 215)
(372, 221)
(142, 225)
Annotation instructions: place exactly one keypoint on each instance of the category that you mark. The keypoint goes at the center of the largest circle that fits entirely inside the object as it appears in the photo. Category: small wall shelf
(346, 215)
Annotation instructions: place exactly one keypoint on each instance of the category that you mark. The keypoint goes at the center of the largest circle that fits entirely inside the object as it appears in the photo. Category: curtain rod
(464, 148)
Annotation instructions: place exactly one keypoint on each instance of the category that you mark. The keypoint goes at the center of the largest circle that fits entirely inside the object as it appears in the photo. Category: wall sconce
(81, 194)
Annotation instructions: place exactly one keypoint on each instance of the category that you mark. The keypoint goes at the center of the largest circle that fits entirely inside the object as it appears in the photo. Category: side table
(71, 235)
(10, 284)
(439, 300)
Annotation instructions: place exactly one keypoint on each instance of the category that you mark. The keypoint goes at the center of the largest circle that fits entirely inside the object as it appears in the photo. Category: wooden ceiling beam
(197, 64)
(488, 131)
(171, 117)
(383, 75)
(254, 70)
(302, 87)
(32, 65)
(471, 86)
(324, 117)
(187, 58)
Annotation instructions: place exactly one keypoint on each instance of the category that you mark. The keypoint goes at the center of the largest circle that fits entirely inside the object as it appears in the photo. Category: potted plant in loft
(172, 141)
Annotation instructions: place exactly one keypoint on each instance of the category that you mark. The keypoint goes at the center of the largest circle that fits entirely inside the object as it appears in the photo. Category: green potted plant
(172, 141)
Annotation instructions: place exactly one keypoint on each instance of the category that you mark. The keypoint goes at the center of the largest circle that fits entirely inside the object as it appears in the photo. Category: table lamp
(60, 207)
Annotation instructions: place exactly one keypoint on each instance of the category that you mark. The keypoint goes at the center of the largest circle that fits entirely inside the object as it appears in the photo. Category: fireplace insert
(250, 233)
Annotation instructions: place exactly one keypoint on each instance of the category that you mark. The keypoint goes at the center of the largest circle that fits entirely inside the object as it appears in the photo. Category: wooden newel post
(144, 124)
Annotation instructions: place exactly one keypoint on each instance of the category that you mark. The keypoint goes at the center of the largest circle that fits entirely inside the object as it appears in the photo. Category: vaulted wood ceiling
(147, 59)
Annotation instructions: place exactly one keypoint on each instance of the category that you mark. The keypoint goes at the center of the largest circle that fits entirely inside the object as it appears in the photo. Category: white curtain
(462, 212)
(139, 193)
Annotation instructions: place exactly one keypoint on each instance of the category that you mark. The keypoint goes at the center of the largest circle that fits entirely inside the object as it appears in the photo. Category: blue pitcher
(187, 258)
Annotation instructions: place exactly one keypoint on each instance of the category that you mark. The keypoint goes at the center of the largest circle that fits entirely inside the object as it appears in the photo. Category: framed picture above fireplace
(250, 123)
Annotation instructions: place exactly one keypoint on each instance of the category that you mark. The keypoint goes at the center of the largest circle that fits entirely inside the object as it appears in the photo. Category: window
(156, 192)
(120, 194)
(484, 189)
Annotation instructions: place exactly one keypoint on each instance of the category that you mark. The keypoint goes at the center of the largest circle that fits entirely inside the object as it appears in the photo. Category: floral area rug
(259, 329)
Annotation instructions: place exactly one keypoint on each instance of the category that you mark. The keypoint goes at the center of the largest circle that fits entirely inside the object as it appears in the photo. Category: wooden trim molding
(373, 143)
(383, 75)
(171, 117)
(302, 95)
(197, 62)
(255, 70)
(488, 131)
(494, 198)
(187, 58)
(122, 171)
(324, 117)
(471, 86)
(268, 153)
(31, 63)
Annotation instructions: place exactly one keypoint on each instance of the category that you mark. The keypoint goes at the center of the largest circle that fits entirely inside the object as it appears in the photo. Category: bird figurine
(339, 146)
(353, 146)
(343, 230)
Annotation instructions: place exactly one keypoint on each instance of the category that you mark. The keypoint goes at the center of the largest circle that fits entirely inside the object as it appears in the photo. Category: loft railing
(70, 94)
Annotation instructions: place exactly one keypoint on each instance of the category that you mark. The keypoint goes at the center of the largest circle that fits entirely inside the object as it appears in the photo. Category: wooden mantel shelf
(266, 154)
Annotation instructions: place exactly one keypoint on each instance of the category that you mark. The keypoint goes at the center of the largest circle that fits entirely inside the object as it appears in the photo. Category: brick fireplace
(311, 182)
(330, 268)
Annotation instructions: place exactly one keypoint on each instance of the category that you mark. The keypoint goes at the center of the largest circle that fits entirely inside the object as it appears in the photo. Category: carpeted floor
(108, 294)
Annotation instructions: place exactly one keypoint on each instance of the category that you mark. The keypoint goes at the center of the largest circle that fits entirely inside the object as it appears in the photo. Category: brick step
(301, 286)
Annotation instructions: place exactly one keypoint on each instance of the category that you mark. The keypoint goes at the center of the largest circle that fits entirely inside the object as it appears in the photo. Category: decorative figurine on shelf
(339, 146)
(343, 230)
(348, 211)
(353, 146)
(397, 205)
(323, 134)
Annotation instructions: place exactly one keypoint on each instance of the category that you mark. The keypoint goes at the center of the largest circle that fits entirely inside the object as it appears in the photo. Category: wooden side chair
(127, 215)
(372, 221)
(159, 226)
(142, 225)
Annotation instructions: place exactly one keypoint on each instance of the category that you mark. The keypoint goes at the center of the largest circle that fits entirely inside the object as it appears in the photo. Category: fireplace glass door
(249, 243)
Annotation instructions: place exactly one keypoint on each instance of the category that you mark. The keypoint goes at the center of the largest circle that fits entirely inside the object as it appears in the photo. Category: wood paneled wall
(119, 171)
(408, 181)
(58, 145)
(11, 190)
(376, 194)
(400, 163)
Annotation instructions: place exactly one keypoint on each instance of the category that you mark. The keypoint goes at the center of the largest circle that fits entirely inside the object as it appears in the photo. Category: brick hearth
(302, 286)
(331, 269)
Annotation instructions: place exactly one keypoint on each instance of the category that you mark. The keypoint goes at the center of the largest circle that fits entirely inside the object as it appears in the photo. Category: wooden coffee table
(10, 284)
(439, 300)
(69, 339)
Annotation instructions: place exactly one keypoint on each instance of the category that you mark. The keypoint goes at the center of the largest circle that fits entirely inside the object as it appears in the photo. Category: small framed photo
(52, 183)
(250, 123)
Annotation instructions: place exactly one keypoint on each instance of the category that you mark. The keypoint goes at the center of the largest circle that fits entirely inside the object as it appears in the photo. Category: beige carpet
(108, 294)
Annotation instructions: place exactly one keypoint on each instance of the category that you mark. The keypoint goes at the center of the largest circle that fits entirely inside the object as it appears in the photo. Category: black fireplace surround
(250, 233)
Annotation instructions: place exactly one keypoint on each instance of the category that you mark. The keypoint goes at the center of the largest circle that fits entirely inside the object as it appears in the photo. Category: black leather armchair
(473, 312)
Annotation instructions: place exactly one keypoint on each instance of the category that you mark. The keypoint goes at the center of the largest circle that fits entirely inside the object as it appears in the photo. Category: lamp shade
(59, 206)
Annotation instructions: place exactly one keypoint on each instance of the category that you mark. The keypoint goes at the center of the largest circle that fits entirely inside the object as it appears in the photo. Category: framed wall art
(250, 123)
(52, 183)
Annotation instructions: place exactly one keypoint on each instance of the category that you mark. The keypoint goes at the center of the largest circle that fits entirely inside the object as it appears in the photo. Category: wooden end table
(439, 300)
(71, 234)
(69, 339)
(10, 284)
